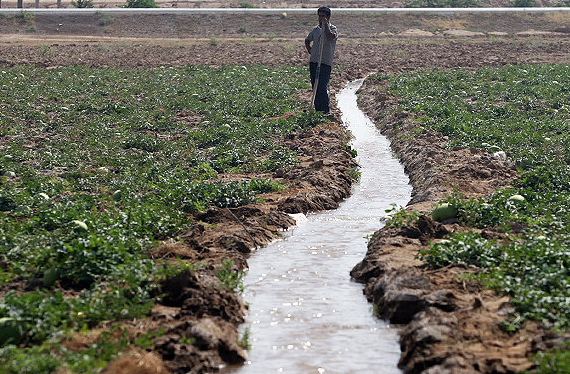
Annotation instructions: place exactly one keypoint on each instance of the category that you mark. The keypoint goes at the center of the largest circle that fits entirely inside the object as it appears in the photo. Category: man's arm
(308, 45)
(328, 32)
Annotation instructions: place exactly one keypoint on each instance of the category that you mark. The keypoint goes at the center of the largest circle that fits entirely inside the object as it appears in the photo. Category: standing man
(329, 44)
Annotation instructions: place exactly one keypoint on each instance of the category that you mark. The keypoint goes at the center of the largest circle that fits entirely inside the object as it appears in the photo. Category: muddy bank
(449, 325)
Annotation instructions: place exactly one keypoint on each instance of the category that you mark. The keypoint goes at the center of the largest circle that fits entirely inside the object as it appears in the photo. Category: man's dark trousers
(322, 96)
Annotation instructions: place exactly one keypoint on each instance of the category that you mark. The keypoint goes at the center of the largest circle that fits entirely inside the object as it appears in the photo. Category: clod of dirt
(200, 296)
(189, 346)
(138, 362)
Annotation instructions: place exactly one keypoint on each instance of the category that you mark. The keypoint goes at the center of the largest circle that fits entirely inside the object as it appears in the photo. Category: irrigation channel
(305, 313)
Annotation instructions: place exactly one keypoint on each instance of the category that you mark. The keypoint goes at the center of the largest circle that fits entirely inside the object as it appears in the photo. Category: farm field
(139, 171)
(511, 240)
(105, 170)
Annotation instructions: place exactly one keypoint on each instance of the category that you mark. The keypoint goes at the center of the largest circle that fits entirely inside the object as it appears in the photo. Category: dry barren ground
(252, 3)
(448, 326)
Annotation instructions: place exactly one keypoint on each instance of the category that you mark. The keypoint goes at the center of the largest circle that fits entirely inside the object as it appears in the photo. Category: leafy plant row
(525, 112)
(97, 166)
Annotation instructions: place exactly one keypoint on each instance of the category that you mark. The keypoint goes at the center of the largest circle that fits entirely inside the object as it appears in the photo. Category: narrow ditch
(305, 313)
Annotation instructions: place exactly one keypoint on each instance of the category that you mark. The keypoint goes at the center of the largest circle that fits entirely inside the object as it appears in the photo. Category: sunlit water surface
(305, 313)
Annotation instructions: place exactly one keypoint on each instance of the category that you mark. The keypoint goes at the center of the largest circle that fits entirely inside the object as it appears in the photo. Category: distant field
(258, 3)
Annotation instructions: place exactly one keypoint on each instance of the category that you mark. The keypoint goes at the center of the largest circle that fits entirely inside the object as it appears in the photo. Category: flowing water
(305, 313)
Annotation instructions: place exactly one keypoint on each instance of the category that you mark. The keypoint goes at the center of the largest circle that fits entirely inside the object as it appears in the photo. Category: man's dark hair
(326, 10)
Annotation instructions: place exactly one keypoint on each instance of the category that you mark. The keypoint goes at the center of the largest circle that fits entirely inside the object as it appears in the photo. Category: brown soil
(448, 325)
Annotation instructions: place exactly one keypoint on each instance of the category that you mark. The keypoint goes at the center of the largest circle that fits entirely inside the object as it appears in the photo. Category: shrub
(82, 3)
(141, 4)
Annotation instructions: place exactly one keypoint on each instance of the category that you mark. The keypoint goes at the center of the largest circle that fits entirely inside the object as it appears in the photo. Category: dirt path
(194, 306)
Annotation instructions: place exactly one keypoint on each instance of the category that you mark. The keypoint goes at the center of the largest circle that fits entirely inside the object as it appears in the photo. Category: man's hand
(327, 29)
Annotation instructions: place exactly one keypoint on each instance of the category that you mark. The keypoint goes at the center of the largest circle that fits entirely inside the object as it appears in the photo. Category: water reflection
(305, 314)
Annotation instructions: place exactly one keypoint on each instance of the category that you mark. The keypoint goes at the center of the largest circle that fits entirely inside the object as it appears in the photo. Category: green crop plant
(245, 340)
(46, 51)
(104, 20)
(25, 16)
(556, 361)
(354, 174)
(400, 217)
(231, 279)
(92, 359)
